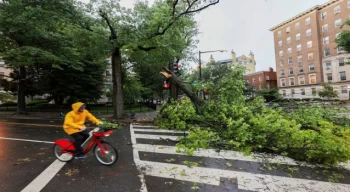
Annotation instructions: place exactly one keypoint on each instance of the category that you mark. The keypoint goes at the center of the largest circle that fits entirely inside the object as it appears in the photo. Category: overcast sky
(243, 25)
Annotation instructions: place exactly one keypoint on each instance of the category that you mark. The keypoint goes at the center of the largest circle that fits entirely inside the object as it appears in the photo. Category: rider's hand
(82, 128)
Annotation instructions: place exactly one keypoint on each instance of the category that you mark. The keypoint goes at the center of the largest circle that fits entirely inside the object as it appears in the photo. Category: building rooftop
(225, 61)
(317, 7)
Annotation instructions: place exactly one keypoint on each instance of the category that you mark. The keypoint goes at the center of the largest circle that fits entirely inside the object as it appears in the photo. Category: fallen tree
(229, 121)
(189, 93)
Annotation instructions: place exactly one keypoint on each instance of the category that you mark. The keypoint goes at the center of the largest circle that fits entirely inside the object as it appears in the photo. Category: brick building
(306, 53)
(262, 79)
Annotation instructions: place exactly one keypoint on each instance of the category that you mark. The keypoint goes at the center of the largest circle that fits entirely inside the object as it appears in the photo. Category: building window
(281, 62)
(301, 69)
(342, 76)
(329, 76)
(253, 79)
(307, 21)
(267, 77)
(293, 92)
(290, 60)
(279, 33)
(325, 40)
(260, 86)
(344, 89)
(348, 4)
(289, 50)
(297, 25)
(340, 49)
(309, 44)
(289, 40)
(288, 29)
(325, 28)
(300, 59)
(327, 52)
(291, 72)
(291, 81)
(281, 53)
(280, 43)
(328, 65)
(313, 90)
(301, 80)
(297, 36)
(341, 62)
(311, 67)
(268, 85)
(283, 82)
(312, 79)
(337, 9)
(324, 15)
(299, 47)
(302, 91)
(260, 79)
(337, 23)
(308, 32)
(310, 56)
(337, 35)
(282, 72)
(284, 93)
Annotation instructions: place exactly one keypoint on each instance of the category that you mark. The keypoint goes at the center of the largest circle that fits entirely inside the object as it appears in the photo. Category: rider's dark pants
(79, 139)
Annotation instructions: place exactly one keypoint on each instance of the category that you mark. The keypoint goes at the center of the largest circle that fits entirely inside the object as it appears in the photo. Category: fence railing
(93, 108)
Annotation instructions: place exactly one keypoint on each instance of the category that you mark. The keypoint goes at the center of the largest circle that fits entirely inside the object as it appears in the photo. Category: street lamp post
(200, 62)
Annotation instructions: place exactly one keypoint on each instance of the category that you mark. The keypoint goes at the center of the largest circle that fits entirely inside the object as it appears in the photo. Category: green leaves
(309, 133)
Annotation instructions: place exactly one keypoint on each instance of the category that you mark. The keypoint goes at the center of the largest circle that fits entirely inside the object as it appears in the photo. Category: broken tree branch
(174, 79)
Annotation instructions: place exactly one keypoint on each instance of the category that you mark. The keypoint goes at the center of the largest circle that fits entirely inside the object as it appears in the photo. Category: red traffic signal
(166, 85)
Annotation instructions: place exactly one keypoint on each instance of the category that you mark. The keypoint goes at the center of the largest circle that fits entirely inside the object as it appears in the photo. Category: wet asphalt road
(163, 170)
(22, 161)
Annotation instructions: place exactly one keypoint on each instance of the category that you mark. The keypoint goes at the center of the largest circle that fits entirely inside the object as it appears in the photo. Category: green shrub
(36, 102)
(9, 103)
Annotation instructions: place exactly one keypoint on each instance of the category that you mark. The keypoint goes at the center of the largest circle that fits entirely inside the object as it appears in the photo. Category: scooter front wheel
(106, 154)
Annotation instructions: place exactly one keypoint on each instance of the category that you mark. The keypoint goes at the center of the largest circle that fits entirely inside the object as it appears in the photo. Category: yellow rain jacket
(74, 120)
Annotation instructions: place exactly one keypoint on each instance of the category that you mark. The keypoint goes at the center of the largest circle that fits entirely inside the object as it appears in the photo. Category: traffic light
(176, 68)
(166, 84)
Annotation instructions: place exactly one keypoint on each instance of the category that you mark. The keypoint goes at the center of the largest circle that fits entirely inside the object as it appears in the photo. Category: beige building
(306, 53)
(246, 61)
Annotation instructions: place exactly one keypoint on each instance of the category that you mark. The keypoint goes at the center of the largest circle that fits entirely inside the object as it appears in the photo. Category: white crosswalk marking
(246, 180)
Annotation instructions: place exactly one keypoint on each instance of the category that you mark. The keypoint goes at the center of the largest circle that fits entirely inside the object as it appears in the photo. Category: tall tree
(140, 29)
(30, 34)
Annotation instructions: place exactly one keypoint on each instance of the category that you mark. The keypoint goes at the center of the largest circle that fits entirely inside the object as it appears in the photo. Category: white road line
(44, 178)
(49, 173)
(159, 131)
(155, 137)
(246, 181)
(144, 126)
(28, 140)
(137, 160)
(211, 153)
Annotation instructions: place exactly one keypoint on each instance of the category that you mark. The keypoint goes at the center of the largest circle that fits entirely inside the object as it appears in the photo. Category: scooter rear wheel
(61, 155)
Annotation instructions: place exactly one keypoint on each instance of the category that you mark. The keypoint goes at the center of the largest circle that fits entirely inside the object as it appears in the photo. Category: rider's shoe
(81, 156)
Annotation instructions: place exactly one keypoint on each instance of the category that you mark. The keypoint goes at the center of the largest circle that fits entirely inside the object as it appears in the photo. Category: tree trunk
(176, 81)
(117, 97)
(21, 103)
